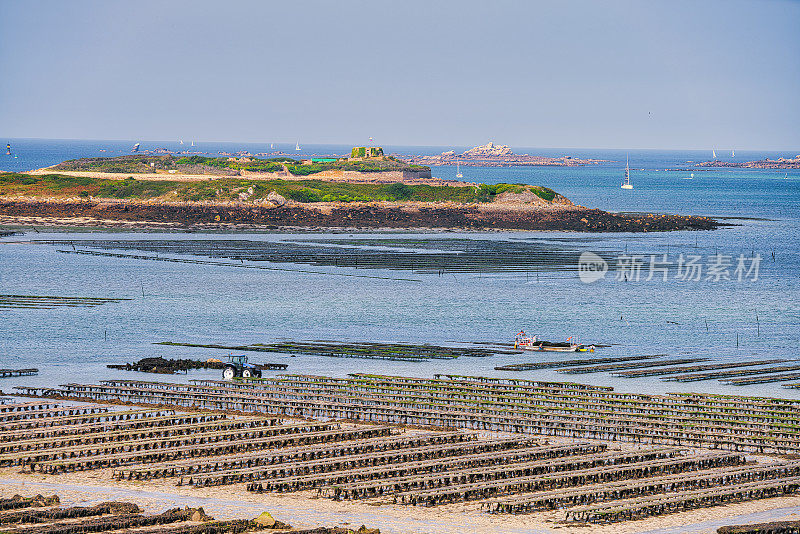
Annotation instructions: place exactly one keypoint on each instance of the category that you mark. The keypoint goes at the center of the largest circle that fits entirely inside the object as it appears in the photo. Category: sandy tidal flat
(304, 509)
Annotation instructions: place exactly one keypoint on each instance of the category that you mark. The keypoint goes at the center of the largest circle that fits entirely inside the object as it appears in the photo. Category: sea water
(722, 320)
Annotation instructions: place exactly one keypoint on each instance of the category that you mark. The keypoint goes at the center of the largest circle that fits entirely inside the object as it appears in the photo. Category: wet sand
(305, 509)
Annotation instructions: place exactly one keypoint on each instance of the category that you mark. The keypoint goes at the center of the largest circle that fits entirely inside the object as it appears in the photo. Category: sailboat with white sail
(626, 184)
(458, 170)
(297, 145)
(733, 153)
(713, 153)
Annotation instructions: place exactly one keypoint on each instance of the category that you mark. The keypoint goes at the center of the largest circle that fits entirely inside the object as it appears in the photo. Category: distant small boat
(458, 170)
(192, 143)
(713, 153)
(733, 154)
(786, 176)
(297, 145)
(135, 148)
(8, 149)
(524, 342)
(272, 145)
(691, 175)
(626, 184)
(180, 141)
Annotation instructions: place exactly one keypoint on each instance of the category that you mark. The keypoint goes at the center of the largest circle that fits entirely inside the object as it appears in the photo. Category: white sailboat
(272, 145)
(733, 154)
(690, 177)
(180, 141)
(713, 153)
(192, 143)
(297, 145)
(626, 184)
(458, 170)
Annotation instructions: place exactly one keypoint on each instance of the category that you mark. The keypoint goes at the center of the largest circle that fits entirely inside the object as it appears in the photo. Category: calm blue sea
(218, 304)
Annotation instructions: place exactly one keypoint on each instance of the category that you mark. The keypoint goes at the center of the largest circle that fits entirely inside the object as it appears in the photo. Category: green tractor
(239, 367)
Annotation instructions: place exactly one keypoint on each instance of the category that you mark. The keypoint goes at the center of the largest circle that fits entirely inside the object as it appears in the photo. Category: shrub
(304, 195)
(305, 170)
(544, 192)
(400, 191)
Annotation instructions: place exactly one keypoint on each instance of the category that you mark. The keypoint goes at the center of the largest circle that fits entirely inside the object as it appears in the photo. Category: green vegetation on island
(233, 166)
(252, 190)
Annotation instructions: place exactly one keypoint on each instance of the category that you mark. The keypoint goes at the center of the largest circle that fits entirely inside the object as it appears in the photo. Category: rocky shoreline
(491, 155)
(373, 215)
(780, 163)
(510, 160)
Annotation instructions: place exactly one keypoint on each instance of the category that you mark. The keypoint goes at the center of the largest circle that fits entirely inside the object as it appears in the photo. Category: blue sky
(611, 74)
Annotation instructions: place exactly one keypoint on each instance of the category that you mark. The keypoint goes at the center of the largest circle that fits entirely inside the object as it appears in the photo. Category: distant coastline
(766, 163)
(491, 155)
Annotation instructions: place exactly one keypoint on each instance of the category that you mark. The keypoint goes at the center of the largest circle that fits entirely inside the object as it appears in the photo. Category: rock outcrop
(276, 198)
(489, 149)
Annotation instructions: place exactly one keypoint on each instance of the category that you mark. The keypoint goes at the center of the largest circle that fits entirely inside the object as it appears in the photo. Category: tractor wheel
(246, 373)
(228, 372)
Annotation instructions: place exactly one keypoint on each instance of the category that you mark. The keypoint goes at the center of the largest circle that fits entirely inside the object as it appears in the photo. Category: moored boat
(626, 184)
(533, 343)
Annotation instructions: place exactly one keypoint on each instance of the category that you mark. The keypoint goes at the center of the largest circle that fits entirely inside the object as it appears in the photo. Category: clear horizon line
(141, 140)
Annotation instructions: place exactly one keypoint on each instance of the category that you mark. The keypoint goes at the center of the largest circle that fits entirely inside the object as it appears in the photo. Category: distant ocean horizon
(659, 176)
(37, 153)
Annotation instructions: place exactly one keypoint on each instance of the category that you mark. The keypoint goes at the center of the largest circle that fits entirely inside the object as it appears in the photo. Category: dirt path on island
(350, 177)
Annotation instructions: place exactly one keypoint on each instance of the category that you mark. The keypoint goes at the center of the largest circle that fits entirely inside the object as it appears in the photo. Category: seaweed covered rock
(166, 367)
(198, 515)
(38, 501)
(266, 521)
(774, 527)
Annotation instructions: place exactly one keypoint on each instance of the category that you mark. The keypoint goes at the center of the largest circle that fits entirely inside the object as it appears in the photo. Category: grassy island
(253, 190)
(233, 166)
(145, 191)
